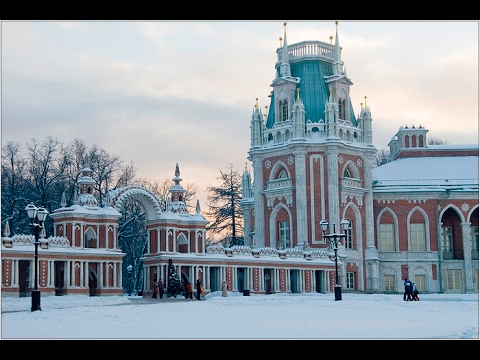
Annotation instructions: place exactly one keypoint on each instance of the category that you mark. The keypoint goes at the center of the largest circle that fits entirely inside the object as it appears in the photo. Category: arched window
(90, 239)
(417, 237)
(282, 174)
(284, 107)
(346, 173)
(284, 234)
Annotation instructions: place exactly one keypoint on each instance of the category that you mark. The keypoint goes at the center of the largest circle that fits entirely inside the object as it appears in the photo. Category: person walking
(189, 291)
(411, 290)
(224, 288)
(198, 286)
(161, 288)
(415, 292)
(406, 294)
(155, 289)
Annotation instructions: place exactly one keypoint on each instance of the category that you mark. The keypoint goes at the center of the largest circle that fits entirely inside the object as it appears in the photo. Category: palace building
(312, 159)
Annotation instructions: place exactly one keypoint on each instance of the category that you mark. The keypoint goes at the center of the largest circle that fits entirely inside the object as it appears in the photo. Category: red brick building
(312, 159)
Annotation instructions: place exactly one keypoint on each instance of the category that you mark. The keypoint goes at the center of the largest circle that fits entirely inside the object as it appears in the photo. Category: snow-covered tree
(175, 286)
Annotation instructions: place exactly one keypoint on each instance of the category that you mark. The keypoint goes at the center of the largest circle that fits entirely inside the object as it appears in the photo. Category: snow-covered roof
(451, 170)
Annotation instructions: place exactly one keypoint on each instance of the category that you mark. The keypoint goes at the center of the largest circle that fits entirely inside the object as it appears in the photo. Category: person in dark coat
(407, 296)
(155, 289)
(198, 286)
(161, 288)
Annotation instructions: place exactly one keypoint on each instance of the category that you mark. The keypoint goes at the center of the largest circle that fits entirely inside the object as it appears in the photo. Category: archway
(149, 201)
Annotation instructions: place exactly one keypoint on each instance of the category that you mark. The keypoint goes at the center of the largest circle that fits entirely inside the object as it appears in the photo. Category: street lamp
(37, 217)
(129, 269)
(334, 239)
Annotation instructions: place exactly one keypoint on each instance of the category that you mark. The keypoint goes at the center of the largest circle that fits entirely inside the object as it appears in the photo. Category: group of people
(411, 291)
(158, 288)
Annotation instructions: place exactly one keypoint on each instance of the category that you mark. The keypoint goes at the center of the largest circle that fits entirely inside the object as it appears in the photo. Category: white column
(15, 272)
(467, 256)
(115, 264)
(85, 273)
(68, 271)
(102, 277)
(82, 279)
(301, 197)
(258, 200)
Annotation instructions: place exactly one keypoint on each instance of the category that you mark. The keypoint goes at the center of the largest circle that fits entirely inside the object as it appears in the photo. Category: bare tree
(437, 141)
(382, 157)
(133, 238)
(14, 192)
(161, 189)
(46, 170)
(224, 205)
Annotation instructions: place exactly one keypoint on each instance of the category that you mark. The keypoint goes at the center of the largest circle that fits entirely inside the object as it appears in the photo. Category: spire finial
(266, 110)
(256, 103)
(298, 94)
(331, 38)
(245, 166)
(280, 38)
(365, 101)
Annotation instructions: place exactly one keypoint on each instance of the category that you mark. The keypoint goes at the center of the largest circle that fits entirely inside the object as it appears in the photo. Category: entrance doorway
(24, 277)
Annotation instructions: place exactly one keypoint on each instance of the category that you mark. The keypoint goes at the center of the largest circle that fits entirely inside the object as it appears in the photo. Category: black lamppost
(37, 217)
(129, 269)
(334, 239)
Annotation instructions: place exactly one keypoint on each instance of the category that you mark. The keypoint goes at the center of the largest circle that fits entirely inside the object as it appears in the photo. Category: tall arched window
(284, 107)
(284, 234)
(417, 237)
(342, 109)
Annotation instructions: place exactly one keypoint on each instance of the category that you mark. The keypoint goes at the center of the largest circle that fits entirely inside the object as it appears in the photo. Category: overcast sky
(161, 93)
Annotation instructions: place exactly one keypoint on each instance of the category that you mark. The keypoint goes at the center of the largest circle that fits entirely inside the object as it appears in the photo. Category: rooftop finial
(256, 103)
(365, 101)
(280, 38)
(331, 38)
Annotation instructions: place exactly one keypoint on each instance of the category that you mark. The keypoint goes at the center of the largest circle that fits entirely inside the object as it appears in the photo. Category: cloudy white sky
(161, 93)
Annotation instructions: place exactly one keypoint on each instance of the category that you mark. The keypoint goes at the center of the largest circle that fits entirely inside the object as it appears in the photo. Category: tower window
(284, 110)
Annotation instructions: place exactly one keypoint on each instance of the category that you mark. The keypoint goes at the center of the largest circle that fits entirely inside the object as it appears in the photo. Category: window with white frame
(447, 241)
(350, 280)
(421, 282)
(386, 236)
(417, 237)
(349, 237)
(389, 283)
(284, 234)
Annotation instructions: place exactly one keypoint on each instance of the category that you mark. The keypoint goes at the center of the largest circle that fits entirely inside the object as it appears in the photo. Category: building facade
(312, 159)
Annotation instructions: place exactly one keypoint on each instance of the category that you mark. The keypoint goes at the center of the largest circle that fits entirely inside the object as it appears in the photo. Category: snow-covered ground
(286, 316)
